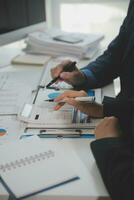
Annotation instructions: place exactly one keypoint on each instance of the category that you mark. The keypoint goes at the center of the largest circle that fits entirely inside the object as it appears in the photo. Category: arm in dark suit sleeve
(115, 160)
(122, 108)
(116, 106)
(108, 66)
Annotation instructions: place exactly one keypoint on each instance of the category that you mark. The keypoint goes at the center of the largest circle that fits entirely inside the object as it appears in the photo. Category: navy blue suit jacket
(115, 156)
(117, 60)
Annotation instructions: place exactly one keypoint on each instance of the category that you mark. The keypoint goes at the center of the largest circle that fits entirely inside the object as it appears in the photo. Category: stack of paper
(45, 43)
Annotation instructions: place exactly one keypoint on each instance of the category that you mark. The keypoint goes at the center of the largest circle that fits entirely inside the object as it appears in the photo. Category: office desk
(90, 186)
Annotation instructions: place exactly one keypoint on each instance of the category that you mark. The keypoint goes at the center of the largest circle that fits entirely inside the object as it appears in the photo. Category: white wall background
(88, 16)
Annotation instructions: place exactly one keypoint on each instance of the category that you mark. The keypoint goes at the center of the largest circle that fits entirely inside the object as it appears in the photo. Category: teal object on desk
(53, 95)
(88, 136)
(75, 136)
(43, 136)
(91, 93)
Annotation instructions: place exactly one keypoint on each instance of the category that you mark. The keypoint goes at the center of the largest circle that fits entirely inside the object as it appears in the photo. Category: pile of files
(55, 42)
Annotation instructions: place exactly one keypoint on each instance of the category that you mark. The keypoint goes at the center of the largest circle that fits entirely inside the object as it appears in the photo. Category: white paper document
(15, 89)
(19, 80)
(11, 101)
(44, 116)
(30, 166)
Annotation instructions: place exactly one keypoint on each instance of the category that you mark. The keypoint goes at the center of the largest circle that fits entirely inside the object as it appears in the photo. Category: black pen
(68, 68)
(49, 100)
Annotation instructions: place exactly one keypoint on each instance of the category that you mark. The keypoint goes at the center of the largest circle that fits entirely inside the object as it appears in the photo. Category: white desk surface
(90, 186)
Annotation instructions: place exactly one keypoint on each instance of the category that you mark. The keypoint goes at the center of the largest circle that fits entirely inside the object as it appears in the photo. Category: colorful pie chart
(2, 132)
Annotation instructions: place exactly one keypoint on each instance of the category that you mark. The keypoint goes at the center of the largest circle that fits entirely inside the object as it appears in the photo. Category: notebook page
(32, 166)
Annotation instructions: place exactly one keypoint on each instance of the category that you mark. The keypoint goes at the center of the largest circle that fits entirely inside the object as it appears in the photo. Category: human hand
(92, 109)
(108, 127)
(74, 78)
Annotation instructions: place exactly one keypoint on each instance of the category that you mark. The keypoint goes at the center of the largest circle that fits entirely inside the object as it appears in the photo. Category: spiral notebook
(28, 167)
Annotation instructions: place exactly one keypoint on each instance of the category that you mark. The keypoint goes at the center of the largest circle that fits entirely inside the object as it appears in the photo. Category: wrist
(98, 111)
(104, 136)
(80, 83)
(90, 78)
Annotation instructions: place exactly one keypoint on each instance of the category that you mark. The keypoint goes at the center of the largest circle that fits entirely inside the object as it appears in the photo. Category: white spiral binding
(26, 161)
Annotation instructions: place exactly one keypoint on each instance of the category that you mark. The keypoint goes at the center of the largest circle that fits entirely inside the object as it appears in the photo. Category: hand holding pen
(69, 67)
(74, 98)
(65, 72)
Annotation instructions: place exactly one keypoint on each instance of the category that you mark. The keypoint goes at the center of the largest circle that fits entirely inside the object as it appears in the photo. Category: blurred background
(104, 16)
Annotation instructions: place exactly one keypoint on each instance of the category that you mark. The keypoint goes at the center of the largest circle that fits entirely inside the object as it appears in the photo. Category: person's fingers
(70, 77)
(58, 106)
(59, 68)
(114, 119)
(107, 121)
(56, 71)
(111, 120)
(73, 78)
(71, 94)
(71, 102)
(82, 106)
(108, 127)
(66, 76)
(91, 109)
(67, 97)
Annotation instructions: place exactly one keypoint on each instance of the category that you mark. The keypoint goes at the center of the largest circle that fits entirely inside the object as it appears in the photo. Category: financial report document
(45, 116)
(42, 114)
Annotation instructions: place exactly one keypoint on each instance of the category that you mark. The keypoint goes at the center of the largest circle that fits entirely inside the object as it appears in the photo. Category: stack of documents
(76, 44)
